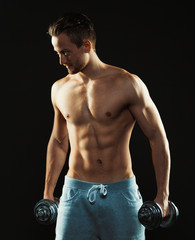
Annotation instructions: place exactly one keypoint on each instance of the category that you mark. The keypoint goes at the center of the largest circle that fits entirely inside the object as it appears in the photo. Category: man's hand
(164, 204)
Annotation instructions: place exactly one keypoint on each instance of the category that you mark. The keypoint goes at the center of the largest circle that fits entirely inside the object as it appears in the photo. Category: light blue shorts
(104, 211)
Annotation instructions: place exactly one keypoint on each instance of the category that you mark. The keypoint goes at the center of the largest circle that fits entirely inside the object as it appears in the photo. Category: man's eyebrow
(63, 50)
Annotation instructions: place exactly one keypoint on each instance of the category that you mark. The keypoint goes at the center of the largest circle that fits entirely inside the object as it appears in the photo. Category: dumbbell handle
(170, 220)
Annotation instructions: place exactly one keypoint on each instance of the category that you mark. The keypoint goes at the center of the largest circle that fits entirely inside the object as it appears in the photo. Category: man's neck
(94, 68)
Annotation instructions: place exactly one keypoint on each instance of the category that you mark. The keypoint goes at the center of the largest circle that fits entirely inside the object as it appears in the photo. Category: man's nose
(62, 59)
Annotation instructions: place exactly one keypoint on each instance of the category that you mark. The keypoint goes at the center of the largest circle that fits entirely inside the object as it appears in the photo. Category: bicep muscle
(146, 113)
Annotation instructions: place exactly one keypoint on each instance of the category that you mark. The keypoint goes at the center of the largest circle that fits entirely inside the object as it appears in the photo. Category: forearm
(161, 162)
(56, 157)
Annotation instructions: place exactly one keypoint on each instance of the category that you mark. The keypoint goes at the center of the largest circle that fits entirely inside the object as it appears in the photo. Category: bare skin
(96, 107)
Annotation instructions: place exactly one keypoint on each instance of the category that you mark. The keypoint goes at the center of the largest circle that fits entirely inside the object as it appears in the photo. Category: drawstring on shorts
(91, 195)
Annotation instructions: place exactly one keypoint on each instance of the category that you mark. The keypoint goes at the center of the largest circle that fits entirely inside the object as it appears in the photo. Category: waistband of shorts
(78, 184)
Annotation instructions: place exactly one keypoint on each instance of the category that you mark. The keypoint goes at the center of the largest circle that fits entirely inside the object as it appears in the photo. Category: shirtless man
(96, 107)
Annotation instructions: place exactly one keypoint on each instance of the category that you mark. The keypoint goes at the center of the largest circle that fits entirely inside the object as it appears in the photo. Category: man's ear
(87, 46)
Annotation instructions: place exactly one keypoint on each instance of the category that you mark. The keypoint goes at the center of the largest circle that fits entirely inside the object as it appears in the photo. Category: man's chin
(72, 71)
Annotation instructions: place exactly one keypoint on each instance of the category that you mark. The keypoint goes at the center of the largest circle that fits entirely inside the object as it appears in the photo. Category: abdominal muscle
(102, 157)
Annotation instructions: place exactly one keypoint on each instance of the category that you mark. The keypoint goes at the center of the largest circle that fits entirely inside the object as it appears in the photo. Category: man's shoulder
(59, 83)
(124, 77)
(130, 84)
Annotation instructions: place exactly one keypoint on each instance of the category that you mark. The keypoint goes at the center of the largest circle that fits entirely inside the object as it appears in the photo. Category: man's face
(73, 58)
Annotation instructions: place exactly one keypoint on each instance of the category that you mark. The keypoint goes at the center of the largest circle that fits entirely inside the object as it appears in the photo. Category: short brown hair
(77, 26)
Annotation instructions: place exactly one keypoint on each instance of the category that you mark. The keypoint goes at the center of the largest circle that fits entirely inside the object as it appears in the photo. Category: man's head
(73, 36)
(76, 26)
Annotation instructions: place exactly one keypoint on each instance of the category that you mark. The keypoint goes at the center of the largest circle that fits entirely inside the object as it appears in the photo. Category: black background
(153, 40)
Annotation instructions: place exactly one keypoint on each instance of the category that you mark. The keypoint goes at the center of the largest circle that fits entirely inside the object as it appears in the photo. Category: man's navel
(108, 114)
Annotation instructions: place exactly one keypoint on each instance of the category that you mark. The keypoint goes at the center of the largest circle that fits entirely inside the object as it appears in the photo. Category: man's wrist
(162, 196)
(48, 196)
(48, 193)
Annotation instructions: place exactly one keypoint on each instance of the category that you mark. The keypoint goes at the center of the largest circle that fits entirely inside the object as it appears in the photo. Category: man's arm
(56, 150)
(148, 118)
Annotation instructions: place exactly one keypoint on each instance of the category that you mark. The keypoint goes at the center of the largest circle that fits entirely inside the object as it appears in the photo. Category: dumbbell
(46, 211)
(151, 215)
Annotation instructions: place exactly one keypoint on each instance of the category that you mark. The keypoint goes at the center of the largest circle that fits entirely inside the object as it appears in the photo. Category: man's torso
(99, 125)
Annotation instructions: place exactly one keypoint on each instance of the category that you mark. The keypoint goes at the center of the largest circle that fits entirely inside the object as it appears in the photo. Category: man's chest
(81, 104)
